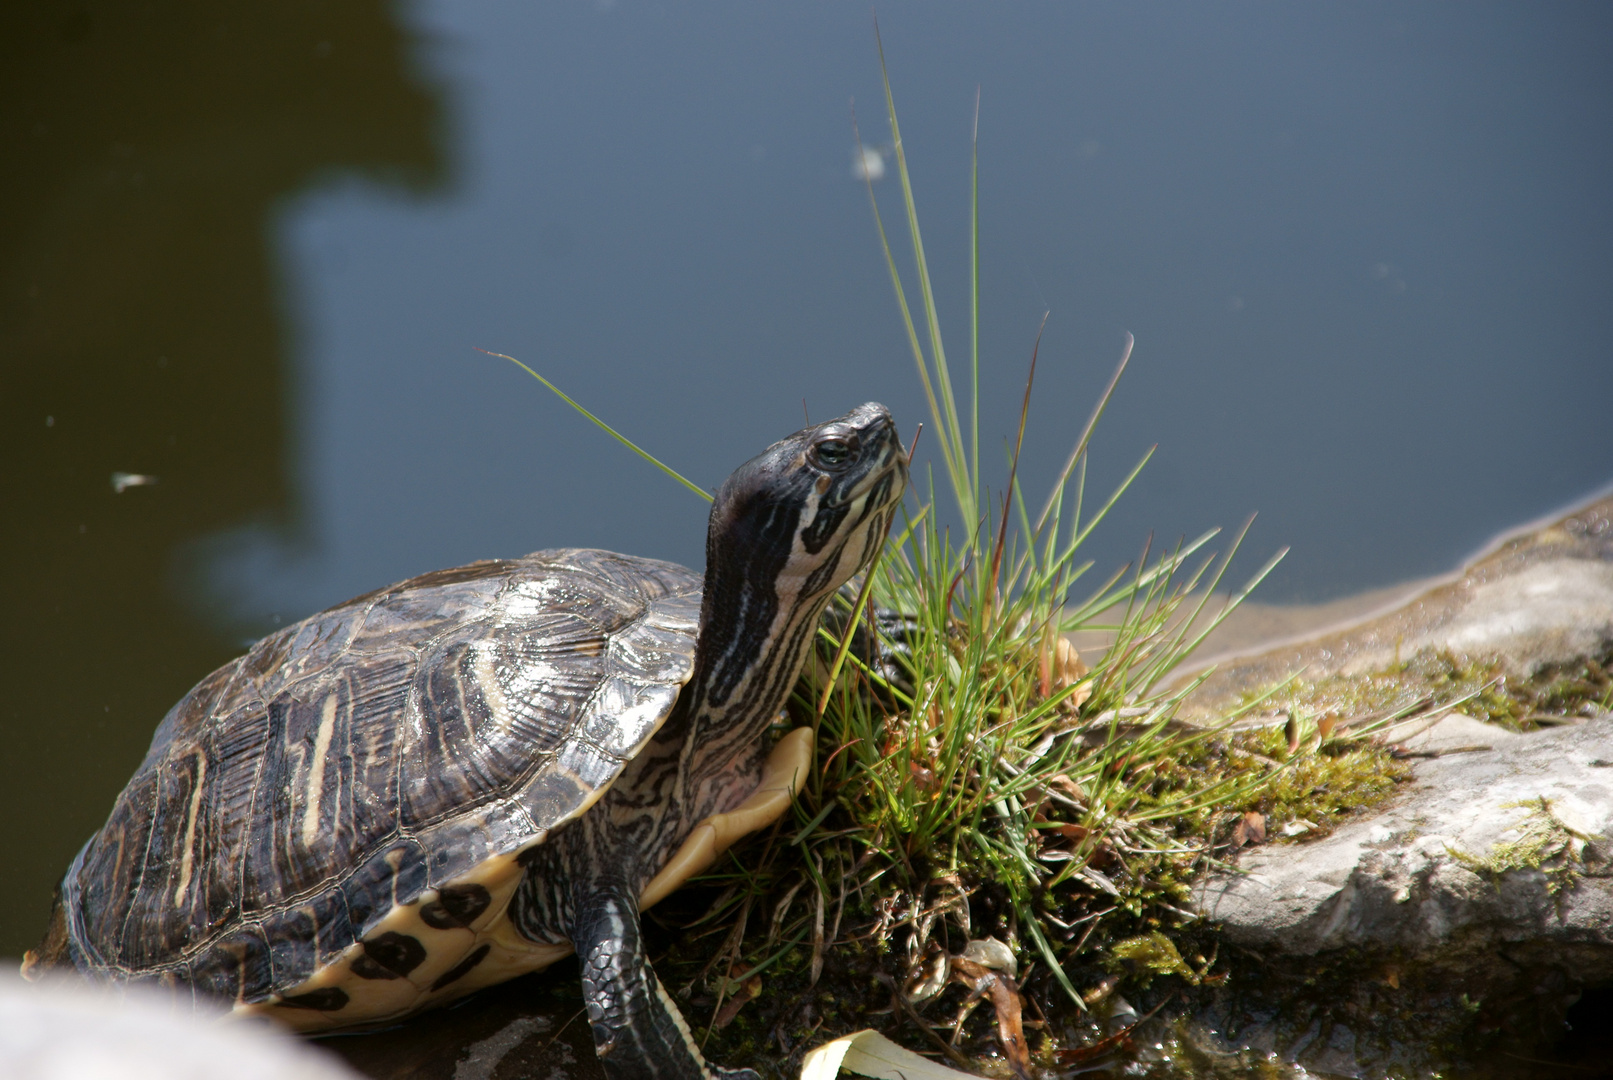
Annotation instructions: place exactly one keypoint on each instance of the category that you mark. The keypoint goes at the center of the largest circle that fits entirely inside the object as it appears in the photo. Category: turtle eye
(832, 453)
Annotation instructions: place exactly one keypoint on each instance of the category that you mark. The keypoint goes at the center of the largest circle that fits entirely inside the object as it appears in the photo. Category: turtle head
(788, 528)
(806, 514)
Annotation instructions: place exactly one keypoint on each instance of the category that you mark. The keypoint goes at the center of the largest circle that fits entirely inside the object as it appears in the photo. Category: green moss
(1320, 783)
(1153, 954)
(1543, 843)
(1324, 785)
(1433, 676)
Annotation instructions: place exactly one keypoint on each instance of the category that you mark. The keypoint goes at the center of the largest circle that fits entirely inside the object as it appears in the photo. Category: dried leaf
(1004, 994)
(923, 778)
(928, 978)
(1066, 787)
(1080, 1055)
(1063, 828)
(1250, 829)
(746, 993)
(991, 953)
(868, 1053)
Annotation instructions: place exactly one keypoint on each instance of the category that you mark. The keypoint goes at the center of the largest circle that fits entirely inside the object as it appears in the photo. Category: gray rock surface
(1462, 920)
(1393, 883)
(62, 1029)
(1536, 598)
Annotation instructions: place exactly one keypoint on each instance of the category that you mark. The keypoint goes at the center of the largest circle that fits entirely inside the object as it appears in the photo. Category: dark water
(248, 249)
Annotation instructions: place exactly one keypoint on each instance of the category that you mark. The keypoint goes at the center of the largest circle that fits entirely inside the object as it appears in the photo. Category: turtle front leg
(639, 1033)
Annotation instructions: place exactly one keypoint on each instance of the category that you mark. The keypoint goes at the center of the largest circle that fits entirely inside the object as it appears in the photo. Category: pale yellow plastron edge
(376, 1001)
(782, 775)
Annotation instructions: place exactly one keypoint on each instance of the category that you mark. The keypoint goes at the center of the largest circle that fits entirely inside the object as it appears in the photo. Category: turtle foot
(638, 1032)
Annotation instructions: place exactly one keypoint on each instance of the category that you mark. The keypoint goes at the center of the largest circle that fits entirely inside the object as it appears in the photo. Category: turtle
(470, 775)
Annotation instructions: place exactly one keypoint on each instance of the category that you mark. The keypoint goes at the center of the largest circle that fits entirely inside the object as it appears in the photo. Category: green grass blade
(1086, 432)
(974, 303)
(901, 298)
(947, 418)
(612, 432)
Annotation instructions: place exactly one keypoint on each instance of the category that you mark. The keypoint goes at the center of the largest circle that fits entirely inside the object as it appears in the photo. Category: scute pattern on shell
(375, 751)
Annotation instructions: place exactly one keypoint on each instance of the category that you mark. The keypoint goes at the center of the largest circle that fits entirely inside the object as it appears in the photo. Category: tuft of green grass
(976, 779)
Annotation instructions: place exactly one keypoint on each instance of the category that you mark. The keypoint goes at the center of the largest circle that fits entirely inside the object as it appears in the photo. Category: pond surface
(250, 251)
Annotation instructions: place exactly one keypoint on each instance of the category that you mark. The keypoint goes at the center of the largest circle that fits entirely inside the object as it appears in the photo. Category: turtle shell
(372, 760)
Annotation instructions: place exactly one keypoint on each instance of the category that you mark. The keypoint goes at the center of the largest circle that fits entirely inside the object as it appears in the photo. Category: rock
(1550, 612)
(62, 1028)
(1413, 880)
(1535, 599)
(1448, 732)
(1460, 922)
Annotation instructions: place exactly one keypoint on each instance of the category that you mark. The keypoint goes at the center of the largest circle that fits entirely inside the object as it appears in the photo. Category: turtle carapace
(464, 777)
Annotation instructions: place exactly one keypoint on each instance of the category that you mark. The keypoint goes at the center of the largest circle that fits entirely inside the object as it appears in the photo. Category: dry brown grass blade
(815, 970)
(899, 1003)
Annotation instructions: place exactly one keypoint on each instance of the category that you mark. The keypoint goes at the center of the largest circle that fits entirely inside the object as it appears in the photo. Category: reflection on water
(147, 146)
